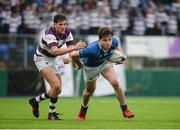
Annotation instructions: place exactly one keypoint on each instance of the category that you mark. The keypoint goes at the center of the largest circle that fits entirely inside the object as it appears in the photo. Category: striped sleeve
(49, 40)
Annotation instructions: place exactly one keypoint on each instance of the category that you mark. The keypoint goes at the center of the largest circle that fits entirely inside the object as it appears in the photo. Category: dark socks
(52, 104)
(123, 107)
(42, 97)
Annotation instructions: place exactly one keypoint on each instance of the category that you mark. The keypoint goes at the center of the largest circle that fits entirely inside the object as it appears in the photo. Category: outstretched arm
(61, 51)
(72, 56)
(77, 62)
(75, 57)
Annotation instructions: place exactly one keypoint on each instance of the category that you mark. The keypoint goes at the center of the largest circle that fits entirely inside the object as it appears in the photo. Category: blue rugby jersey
(93, 55)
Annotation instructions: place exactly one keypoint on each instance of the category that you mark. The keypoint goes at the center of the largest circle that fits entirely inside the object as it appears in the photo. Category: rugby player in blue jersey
(94, 58)
(49, 48)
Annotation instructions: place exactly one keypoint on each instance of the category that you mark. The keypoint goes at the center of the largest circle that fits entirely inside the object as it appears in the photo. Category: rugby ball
(116, 56)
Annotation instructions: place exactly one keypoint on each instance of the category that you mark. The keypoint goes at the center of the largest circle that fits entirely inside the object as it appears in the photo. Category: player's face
(106, 42)
(61, 26)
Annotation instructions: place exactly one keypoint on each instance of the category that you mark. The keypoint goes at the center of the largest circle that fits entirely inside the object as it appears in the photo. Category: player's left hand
(122, 60)
(78, 65)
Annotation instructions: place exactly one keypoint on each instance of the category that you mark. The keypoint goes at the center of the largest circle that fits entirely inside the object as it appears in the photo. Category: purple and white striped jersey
(52, 38)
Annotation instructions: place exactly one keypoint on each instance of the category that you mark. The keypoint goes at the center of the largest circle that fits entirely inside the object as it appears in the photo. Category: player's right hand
(67, 60)
(80, 45)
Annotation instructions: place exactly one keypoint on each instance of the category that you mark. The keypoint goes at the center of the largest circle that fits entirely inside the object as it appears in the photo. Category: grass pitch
(103, 113)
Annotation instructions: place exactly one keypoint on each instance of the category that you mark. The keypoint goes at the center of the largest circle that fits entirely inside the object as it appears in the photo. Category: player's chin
(106, 48)
(62, 31)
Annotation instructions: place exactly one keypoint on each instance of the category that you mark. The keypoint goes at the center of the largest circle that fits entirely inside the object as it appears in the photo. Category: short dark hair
(104, 31)
(59, 18)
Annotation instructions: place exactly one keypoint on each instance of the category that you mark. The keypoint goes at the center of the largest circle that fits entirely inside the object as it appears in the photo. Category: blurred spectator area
(125, 17)
(22, 20)
(17, 51)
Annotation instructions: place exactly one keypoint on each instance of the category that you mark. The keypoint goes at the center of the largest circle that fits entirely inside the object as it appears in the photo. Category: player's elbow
(54, 52)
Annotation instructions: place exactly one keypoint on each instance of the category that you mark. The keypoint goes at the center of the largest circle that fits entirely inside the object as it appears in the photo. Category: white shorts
(92, 73)
(42, 62)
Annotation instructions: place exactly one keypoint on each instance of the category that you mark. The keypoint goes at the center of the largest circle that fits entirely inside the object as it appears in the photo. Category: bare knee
(115, 84)
(88, 93)
(90, 88)
(56, 86)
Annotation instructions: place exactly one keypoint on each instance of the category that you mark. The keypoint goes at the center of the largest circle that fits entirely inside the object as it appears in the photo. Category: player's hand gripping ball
(117, 57)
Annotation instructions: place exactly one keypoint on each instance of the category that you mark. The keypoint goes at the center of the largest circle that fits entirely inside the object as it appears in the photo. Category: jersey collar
(102, 48)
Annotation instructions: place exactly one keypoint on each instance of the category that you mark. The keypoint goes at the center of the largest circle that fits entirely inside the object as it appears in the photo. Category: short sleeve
(116, 42)
(49, 40)
(85, 52)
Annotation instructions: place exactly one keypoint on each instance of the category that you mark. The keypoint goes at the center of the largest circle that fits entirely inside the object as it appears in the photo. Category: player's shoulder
(115, 41)
(94, 44)
(50, 30)
(49, 37)
(92, 48)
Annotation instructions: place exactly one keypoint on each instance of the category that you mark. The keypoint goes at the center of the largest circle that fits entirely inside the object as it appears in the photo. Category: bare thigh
(52, 78)
(110, 74)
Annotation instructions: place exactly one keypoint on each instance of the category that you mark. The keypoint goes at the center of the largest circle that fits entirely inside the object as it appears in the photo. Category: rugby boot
(128, 114)
(53, 116)
(35, 107)
(82, 113)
